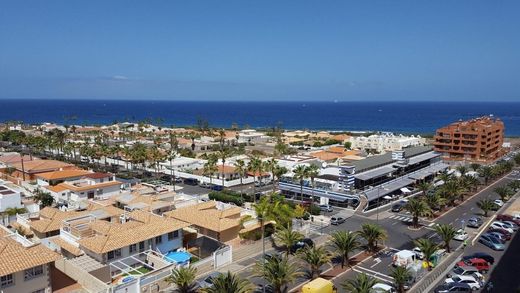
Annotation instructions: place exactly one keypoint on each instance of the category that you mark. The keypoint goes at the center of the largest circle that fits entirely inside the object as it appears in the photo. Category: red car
(506, 234)
(509, 218)
(481, 265)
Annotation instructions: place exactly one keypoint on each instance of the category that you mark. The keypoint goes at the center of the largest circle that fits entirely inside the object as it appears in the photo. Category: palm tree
(240, 168)
(229, 283)
(315, 257)
(418, 208)
(474, 166)
(210, 168)
(486, 172)
(428, 248)
(446, 233)
(312, 172)
(462, 169)
(264, 212)
(278, 173)
(344, 242)
(278, 272)
(171, 156)
(514, 185)
(503, 191)
(287, 237)
(372, 234)
(14, 211)
(361, 284)
(435, 201)
(485, 205)
(453, 190)
(223, 154)
(255, 166)
(300, 173)
(424, 187)
(401, 275)
(184, 278)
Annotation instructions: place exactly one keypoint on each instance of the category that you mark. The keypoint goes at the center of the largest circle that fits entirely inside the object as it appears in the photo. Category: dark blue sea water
(400, 117)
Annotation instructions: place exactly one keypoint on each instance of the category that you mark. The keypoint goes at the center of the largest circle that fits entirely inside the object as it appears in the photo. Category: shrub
(314, 210)
(226, 196)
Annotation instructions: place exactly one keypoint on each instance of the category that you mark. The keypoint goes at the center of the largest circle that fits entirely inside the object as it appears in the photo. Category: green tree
(315, 257)
(312, 171)
(241, 169)
(344, 243)
(279, 272)
(256, 167)
(400, 275)
(287, 237)
(372, 234)
(485, 205)
(184, 279)
(503, 191)
(223, 154)
(44, 198)
(424, 187)
(428, 248)
(446, 233)
(474, 166)
(15, 211)
(418, 208)
(300, 173)
(229, 283)
(361, 284)
(485, 172)
(279, 171)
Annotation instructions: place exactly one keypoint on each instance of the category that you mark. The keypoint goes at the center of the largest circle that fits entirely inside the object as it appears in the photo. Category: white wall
(20, 285)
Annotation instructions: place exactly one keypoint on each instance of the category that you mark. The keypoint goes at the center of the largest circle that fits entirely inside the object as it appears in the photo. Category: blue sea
(398, 117)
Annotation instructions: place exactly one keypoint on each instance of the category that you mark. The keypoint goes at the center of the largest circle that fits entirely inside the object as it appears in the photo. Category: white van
(404, 258)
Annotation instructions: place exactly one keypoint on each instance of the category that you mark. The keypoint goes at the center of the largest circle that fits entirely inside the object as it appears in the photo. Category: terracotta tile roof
(16, 158)
(51, 218)
(141, 226)
(98, 175)
(89, 187)
(38, 166)
(16, 257)
(326, 156)
(206, 215)
(67, 246)
(341, 137)
(56, 188)
(55, 175)
(226, 169)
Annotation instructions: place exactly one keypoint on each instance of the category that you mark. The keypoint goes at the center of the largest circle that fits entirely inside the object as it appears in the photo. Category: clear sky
(261, 50)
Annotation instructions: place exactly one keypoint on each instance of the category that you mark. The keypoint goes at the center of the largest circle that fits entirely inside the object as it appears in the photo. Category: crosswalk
(401, 218)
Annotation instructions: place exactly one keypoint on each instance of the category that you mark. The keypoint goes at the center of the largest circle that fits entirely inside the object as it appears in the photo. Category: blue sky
(261, 50)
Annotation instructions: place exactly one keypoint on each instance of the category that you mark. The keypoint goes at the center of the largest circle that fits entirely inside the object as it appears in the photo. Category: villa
(25, 266)
(88, 186)
(30, 169)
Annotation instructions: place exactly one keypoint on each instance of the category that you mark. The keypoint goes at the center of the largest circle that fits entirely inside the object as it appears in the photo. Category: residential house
(30, 169)
(89, 186)
(24, 266)
(56, 177)
(9, 198)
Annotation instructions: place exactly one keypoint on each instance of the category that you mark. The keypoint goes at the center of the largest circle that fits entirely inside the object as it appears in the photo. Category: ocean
(397, 117)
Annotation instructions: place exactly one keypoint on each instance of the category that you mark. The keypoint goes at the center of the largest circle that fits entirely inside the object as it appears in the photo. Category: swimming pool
(179, 257)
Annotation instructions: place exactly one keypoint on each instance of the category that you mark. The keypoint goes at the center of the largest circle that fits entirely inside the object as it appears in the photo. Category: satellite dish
(324, 165)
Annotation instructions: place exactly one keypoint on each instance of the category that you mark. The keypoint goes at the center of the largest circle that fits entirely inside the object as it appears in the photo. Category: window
(175, 233)
(158, 239)
(133, 248)
(141, 246)
(6, 281)
(114, 254)
(170, 236)
(33, 273)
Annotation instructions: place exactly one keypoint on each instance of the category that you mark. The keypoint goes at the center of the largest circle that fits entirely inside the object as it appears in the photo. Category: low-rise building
(89, 186)
(25, 266)
(28, 170)
(9, 198)
(385, 142)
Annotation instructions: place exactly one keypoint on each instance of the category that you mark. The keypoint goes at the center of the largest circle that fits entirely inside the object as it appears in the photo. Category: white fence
(222, 256)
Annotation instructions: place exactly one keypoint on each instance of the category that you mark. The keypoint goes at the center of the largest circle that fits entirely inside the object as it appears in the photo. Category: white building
(9, 198)
(385, 142)
(90, 186)
(251, 136)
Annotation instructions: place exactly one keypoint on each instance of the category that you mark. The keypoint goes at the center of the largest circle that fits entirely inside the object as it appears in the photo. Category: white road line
(471, 209)
(394, 223)
(464, 214)
(377, 260)
(431, 224)
(374, 274)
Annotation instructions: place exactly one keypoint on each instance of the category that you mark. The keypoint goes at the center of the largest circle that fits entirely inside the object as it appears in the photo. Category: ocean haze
(399, 117)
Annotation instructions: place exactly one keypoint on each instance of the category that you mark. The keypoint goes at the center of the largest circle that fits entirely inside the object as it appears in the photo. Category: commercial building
(478, 140)
(385, 142)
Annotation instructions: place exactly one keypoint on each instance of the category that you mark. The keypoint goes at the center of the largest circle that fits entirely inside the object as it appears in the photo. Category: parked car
(453, 287)
(382, 288)
(491, 242)
(460, 235)
(326, 208)
(482, 255)
(208, 281)
(501, 231)
(509, 218)
(498, 235)
(306, 242)
(465, 271)
(337, 220)
(511, 225)
(474, 222)
(480, 264)
(470, 280)
(500, 225)
(398, 207)
(498, 202)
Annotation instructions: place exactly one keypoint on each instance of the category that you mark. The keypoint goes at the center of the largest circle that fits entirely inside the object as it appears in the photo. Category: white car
(500, 225)
(418, 252)
(470, 280)
(460, 235)
(511, 225)
(499, 202)
(382, 288)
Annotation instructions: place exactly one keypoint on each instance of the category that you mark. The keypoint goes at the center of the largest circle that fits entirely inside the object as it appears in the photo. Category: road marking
(377, 260)
(374, 274)
(431, 224)
(394, 223)
(464, 214)
(456, 219)
(431, 236)
(471, 209)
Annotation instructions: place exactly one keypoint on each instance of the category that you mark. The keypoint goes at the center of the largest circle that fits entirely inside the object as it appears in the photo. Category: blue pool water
(178, 256)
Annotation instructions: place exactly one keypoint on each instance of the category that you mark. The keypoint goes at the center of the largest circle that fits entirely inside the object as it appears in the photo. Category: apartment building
(385, 142)
(478, 140)
(25, 266)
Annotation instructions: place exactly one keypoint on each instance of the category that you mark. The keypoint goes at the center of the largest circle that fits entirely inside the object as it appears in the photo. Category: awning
(405, 190)
(374, 173)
